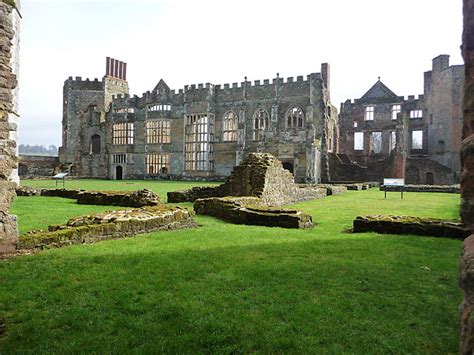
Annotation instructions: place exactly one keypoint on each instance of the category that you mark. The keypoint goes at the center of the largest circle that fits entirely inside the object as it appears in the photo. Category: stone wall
(107, 225)
(410, 225)
(467, 184)
(33, 166)
(138, 198)
(8, 153)
(251, 211)
(258, 175)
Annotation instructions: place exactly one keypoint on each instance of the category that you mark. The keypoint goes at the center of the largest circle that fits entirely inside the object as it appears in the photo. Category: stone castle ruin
(202, 131)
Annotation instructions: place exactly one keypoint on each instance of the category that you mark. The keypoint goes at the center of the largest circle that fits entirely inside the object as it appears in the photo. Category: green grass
(228, 288)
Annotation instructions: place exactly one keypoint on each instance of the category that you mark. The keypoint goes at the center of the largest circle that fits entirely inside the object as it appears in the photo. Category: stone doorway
(429, 179)
(288, 166)
(118, 172)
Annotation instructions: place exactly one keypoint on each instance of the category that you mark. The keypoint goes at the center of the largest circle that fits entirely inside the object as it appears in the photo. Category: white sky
(222, 41)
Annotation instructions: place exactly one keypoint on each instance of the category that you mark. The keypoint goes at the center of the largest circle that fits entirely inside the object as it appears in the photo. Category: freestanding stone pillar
(467, 183)
(9, 59)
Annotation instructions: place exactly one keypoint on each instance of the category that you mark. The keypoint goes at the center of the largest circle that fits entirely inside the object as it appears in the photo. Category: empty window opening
(260, 123)
(95, 144)
(119, 159)
(124, 110)
(158, 132)
(294, 118)
(417, 140)
(393, 140)
(159, 108)
(358, 140)
(229, 126)
(376, 142)
(369, 113)
(354, 124)
(199, 142)
(157, 164)
(416, 113)
(122, 133)
(396, 109)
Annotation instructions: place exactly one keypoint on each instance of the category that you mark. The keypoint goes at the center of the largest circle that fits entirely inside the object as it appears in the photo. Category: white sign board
(60, 176)
(394, 182)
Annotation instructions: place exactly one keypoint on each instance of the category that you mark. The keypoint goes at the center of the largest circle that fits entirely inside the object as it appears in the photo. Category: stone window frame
(119, 158)
(123, 133)
(157, 163)
(392, 143)
(261, 121)
(395, 110)
(416, 113)
(158, 131)
(373, 141)
(229, 126)
(419, 133)
(199, 142)
(294, 118)
(95, 145)
(369, 113)
(124, 110)
(360, 134)
(158, 107)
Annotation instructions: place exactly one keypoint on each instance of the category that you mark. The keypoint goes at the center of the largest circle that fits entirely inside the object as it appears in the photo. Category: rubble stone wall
(251, 211)
(108, 225)
(33, 166)
(467, 184)
(8, 128)
(453, 189)
(410, 225)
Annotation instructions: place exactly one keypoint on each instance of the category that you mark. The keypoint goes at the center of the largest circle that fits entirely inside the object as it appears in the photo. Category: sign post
(394, 182)
(59, 177)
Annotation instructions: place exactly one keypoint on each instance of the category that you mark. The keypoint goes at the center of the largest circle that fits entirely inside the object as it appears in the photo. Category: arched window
(294, 118)
(229, 126)
(260, 123)
(95, 144)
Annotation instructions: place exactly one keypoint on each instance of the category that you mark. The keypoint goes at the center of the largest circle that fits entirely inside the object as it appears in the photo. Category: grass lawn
(228, 288)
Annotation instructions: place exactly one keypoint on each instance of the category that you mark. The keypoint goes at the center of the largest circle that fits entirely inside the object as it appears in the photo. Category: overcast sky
(222, 41)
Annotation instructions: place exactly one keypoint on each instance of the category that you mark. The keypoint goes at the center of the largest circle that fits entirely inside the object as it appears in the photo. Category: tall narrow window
(294, 118)
(417, 140)
(358, 140)
(229, 127)
(369, 113)
(260, 123)
(396, 109)
(122, 133)
(158, 131)
(199, 142)
(376, 142)
(393, 140)
(119, 159)
(157, 164)
(95, 144)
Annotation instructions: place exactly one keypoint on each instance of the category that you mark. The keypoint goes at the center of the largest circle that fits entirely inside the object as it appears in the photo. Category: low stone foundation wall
(195, 193)
(108, 225)
(453, 189)
(410, 225)
(251, 211)
(333, 189)
(136, 199)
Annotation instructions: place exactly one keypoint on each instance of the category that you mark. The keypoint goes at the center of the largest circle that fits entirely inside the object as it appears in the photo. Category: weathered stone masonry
(467, 184)
(200, 132)
(9, 42)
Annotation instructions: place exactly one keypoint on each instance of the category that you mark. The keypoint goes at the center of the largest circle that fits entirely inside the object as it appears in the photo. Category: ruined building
(386, 135)
(200, 132)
